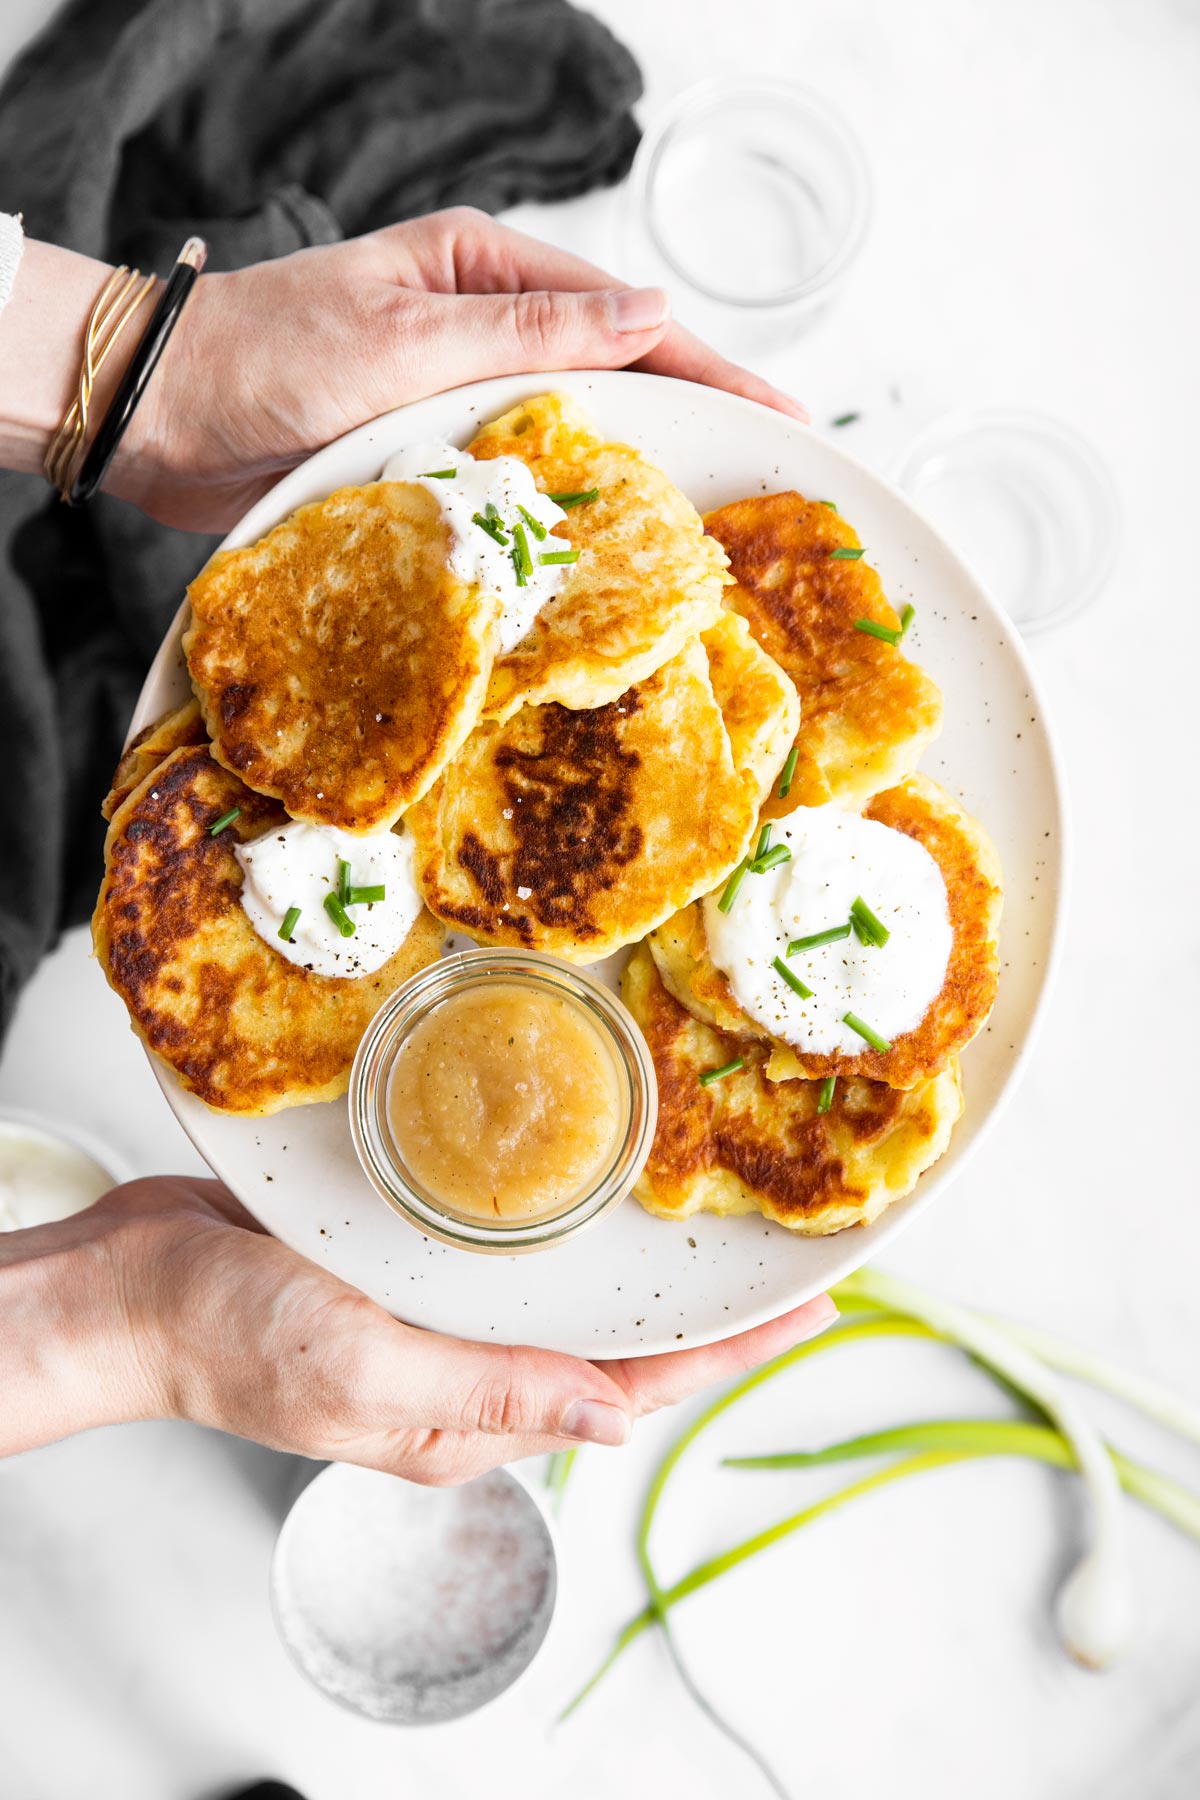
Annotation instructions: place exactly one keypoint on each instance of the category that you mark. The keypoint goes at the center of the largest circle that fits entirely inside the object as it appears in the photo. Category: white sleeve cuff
(12, 244)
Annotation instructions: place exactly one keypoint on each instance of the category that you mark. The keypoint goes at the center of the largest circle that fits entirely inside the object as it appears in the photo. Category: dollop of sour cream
(297, 866)
(837, 857)
(504, 482)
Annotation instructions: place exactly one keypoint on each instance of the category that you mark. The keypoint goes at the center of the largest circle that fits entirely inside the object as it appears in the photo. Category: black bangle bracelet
(142, 365)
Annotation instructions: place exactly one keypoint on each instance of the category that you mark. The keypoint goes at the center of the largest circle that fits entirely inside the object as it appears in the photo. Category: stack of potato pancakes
(579, 794)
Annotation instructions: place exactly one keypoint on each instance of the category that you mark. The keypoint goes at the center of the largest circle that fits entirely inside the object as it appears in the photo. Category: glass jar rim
(370, 1079)
(719, 90)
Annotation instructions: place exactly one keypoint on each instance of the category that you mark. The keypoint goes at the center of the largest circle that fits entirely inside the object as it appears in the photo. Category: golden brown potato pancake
(866, 712)
(758, 703)
(971, 871)
(647, 578)
(577, 831)
(242, 1028)
(747, 1144)
(147, 749)
(340, 662)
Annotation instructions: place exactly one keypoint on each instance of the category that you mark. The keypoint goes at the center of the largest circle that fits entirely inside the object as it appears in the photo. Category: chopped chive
(729, 1068)
(831, 504)
(522, 548)
(862, 918)
(339, 915)
(535, 525)
(493, 530)
(492, 512)
(779, 853)
(764, 843)
(567, 501)
(789, 770)
(884, 633)
(825, 1097)
(865, 1031)
(792, 979)
(558, 556)
(343, 881)
(732, 885)
(518, 567)
(845, 554)
(907, 615)
(847, 418)
(818, 938)
(289, 923)
(235, 812)
(365, 896)
(438, 475)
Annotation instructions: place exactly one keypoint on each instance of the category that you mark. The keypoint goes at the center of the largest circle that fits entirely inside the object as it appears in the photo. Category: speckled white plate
(636, 1284)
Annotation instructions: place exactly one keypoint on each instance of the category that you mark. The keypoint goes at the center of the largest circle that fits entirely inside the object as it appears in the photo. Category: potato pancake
(242, 1028)
(748, 1144)
(341, 662)
(148, 748)
(866, 712)
(647, 578)
(970, 869)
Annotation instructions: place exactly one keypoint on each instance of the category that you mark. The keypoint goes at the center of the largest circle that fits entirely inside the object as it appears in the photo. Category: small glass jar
(389, 1031)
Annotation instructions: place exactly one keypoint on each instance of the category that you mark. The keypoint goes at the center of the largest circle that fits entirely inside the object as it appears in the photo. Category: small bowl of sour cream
(50, 1171)
(503, 1101)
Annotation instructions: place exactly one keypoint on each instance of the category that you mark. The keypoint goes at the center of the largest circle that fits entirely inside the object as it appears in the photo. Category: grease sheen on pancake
(971, 871)
(242, 1028)
(577, 831)
(340, 662)
(867, 712)
(647, 578)
(748, 1144)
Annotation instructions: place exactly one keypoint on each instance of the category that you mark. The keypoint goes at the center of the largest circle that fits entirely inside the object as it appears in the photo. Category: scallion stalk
(884, 633)
(844, 553)
(539, 532)
(790, 978)
(817, 938)
(708, 1076)
(226, 818)
(290, 919)
(789, 772)
(778, 853)
(567, 501)
(339, 915)
(733, 885)
(366, 896)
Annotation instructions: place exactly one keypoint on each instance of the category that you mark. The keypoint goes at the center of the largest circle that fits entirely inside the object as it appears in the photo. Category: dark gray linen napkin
(264, 125)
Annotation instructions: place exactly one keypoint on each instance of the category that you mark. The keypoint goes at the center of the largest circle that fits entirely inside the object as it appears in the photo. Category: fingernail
(639, 309)
(595, 1422)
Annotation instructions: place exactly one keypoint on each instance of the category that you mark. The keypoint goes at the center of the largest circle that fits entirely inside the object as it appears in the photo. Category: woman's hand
(271, 362)
(167, 1300)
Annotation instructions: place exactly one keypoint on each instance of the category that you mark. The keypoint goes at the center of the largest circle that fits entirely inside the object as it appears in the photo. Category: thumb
(468, 337)
(448, 1384)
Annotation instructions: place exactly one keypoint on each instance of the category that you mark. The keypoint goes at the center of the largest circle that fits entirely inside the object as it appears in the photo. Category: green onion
(438, 475)
(567, 501)
(847, 418)
(343, 880)
(492, 512)
(789, 769)
(884, 633)
(764, 843)
(558, 1471)
(729, 1068)
(845, 554)
(289, 923)
(865, 1031)
(907, 615)
(779, 853)
(732, 885)
(865, 921)
(365, 896)
(518, 566)
(235, 812)
(818, 938)
(831, 504)
(493, 530)
(792, 979)
(339, 915)
(539, 532)
(558, 556)
(522, 548)
(825, 1097)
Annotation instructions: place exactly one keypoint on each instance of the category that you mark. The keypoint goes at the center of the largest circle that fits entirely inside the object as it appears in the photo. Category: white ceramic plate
(636, 1284)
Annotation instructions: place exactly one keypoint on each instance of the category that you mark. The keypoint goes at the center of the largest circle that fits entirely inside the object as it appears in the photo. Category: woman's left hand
(270, 363)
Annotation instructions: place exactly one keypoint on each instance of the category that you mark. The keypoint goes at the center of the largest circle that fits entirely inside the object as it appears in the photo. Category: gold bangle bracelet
(118, 301)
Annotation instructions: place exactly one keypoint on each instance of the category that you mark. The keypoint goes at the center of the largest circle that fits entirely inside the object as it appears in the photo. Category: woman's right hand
(167, 1300)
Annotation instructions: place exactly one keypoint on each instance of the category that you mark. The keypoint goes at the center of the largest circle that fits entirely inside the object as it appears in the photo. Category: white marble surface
(1035, 244)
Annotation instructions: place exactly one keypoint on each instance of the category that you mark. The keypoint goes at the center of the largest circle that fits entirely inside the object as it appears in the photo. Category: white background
(1034, 244)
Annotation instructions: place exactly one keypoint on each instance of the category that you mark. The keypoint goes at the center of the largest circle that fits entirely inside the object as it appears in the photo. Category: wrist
(74, 1353)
